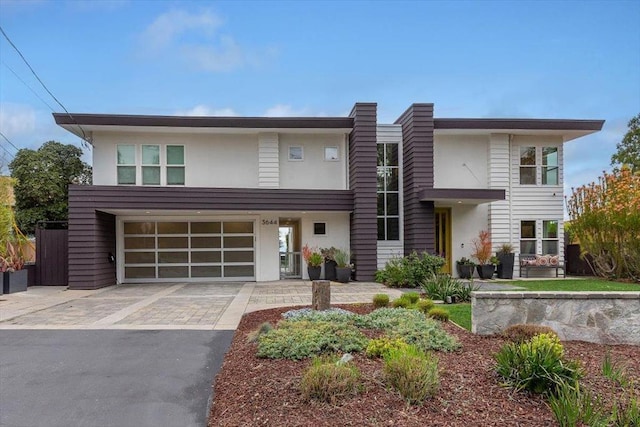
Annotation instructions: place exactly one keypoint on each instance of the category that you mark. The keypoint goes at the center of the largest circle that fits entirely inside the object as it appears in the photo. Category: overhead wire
(84, 135)
(28, 87)
(10, 143)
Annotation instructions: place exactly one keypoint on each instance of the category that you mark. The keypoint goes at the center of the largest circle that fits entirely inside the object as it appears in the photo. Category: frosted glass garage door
(175, 250)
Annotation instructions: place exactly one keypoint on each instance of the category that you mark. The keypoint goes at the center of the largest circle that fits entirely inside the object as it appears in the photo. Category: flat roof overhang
(465, 196)
(73, 122)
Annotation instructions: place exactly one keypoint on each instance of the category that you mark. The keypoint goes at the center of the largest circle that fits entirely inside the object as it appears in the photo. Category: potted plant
(329, 263)
(14, 277)
(314, 260)
(482, 252)
(506, 257)
(465, 268)
(343, 268)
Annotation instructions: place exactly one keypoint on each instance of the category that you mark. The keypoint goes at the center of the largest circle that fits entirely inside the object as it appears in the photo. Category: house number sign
(269, 222)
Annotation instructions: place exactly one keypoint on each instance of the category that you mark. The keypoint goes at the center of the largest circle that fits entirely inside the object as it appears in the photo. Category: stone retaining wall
(600, 317)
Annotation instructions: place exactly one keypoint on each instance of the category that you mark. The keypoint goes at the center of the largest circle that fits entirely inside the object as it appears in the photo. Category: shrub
(525, 331)
(331, 315)
(441, 286)
(413, 373)
(262, 329)
(380, 300)
(413, 297)
(401, 302)
(572, 406)
(381, 346)
(409, 271)
(439, 313)
(537, 365)
(424, 305)
(303, 338)
(328, 381)
(482, 247)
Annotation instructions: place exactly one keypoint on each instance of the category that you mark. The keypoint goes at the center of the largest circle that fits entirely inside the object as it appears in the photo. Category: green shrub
(439, 314)
(381, 346)
(441, 286)
(413, 373)
(380, 300)
(611, 370)
(572, 406)
(262, 329)
(424, 305)
(328, 381)
(409, 271)
(537, 365)
(525, 331)
(413, 297)
(401, 302)
(304, 338)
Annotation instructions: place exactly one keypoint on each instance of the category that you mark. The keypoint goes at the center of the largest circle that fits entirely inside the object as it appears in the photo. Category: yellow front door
(443, 236)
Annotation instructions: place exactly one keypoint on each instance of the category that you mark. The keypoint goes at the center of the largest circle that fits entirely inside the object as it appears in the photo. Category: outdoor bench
(540, 262)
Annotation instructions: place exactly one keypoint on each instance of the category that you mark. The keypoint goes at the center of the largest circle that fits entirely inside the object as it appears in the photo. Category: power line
(28, 87)
(84, 135)
(6, 151)
(7, 139)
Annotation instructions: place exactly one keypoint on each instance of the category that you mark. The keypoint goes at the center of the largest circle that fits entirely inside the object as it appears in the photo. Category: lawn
(460, 314)
(590, 284)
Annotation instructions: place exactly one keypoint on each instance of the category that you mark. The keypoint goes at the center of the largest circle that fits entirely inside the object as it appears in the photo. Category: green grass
(574, 285)
(460, 314)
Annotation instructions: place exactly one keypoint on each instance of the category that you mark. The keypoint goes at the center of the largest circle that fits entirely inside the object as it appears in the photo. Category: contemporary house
(235, 198)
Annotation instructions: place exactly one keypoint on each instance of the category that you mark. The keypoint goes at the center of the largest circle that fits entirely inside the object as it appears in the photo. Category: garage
(188, 250)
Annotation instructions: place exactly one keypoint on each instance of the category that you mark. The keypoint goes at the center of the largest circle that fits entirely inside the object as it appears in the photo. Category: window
(296, 153)
(126, 164)
(388, 192)
(527, 166)
(550, 237)
(331, 153)
(319, 228)
(150, 165)
(175, 164)
(550, 166)
(528, 237)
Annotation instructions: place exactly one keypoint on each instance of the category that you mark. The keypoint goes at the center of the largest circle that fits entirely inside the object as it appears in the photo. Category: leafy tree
(43, 177)
(629, 148)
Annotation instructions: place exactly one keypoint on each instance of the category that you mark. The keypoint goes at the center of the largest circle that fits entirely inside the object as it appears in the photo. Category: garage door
(175, 250)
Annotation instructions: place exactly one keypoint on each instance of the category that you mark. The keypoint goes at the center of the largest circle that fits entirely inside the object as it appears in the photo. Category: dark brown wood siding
(362, 181)
(417, 163)
(92, 232)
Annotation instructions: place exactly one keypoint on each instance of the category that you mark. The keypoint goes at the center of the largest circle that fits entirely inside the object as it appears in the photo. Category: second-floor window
(175, 164)
(388, 192)
(126, 164)
(531, 166)
(150, 164)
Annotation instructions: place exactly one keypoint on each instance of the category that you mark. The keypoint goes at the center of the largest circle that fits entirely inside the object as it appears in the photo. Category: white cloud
(16, 119)
(204, 110)
(225, 55)
(169, 26)
(286, 110)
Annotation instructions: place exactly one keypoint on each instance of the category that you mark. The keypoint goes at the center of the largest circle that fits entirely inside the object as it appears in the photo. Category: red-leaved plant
(482, 247)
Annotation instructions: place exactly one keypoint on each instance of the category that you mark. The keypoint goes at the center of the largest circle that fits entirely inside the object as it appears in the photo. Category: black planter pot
(14, 281)
(465, 271)
(343, 274)
(486, 271)
(314, 272)
(505, 268)
(330, 269)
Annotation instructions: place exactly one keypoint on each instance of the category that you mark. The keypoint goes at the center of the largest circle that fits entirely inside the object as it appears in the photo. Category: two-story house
(235, 198)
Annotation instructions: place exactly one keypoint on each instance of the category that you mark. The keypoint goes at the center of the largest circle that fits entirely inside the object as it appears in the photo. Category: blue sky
(472, 59)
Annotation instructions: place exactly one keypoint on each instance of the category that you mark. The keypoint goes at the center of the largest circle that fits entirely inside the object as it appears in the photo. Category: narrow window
(528, 237)
(150, 165)
(296, 153)
(527, 165)
(126, 164)
(388, 211)
(550, 237)
(175, 164)
(319, 228)
(331, 154)
(550, 166)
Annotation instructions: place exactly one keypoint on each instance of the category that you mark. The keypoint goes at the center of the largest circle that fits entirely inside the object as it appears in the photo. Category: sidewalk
(195, 306)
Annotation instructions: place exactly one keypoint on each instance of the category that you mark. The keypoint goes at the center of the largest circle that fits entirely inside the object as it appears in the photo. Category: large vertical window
(550, 166)
(527, 165)
(126, 164)
(175, 164)
(528, 237)
(550, 237)
(150, 165)
(388, 192)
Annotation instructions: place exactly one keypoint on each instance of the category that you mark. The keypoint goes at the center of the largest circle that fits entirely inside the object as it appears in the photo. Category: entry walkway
(195, 306)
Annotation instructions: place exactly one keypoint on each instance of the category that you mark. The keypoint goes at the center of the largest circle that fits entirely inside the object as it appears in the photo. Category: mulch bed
(250, 391)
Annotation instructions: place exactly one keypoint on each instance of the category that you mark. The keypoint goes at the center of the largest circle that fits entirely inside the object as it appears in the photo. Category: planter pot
(465, 271)
(343, 274)
(330, 270)
(14, 281)
(486, 271)
(314, 272)
(505, 268)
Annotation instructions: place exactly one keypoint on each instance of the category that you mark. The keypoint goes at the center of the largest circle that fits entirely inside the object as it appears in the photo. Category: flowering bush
(312, 256)
(605, 217)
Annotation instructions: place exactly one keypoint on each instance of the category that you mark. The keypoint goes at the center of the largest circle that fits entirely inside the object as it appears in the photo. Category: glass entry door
(443, 236)
(290, 253)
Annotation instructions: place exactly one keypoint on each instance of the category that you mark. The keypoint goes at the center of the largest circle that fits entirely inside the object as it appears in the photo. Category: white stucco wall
(460, 161)
(466, 223)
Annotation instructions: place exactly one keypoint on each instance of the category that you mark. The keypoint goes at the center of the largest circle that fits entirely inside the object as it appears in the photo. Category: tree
(42, 182)
(629, 148)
